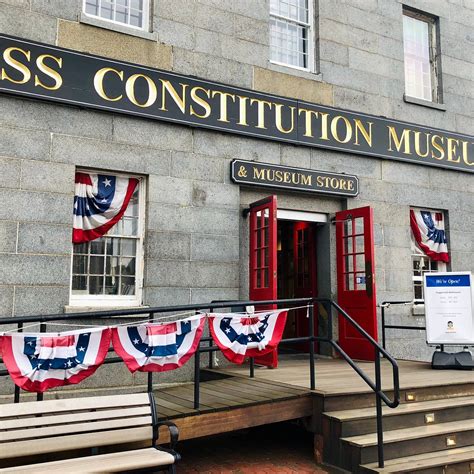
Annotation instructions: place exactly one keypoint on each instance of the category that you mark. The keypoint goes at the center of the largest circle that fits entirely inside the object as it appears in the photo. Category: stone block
(62, 118)
(376, 64)
(362, 101)
(397, 172)
(184, 61)
(165, 296)
(44, 238)
(465, 124)
(216, 195)
(8, 236)
(396, 236)
(167, 218)
(458, 68)
(113, 156)
(217, 248)
(153, 134)
(167, 273)
(206, 295)
(458, 85)
(23, 23)
(10, 175)
(169, 190)
(36, 207)
(462, 261)
(22, 143)
(250, 29)
(462, 242)
(245, 52)
(111, 44)
(208, 42)
(214, 275)
(198, 167)
(35, 270)
(168, 245)
(47, 176)
(181, 11)
(59, 9)
(334, 52)
(175, 34)
(6, 303)
(287, 85)
(462, 222)
(213, 18)
(40, 300)
(298, 156)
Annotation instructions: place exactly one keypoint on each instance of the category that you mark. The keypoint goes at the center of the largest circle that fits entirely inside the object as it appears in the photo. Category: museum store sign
(45, 72)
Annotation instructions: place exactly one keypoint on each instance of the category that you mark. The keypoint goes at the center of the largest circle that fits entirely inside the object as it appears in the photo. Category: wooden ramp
(230, 404)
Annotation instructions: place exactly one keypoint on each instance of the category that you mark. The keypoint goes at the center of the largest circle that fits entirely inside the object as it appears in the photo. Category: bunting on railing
(239, 336)
(429, 233)
(37, 362)
(99, 203)
(158, 347)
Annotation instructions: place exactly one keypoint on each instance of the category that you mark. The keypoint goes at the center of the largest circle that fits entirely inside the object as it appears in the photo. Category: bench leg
(172, 469)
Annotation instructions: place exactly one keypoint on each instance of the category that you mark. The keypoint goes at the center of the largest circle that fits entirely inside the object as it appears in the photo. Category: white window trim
(117, 301)
(311, 39)
(146, 18)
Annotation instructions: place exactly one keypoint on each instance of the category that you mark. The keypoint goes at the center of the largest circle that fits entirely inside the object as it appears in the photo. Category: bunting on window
(38, 362)
(158, 347)
(239, 336)
(428, 230)
(99, 203)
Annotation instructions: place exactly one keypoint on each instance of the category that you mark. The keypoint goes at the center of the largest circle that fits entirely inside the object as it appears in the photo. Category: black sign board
(46, 72)
(291, 178)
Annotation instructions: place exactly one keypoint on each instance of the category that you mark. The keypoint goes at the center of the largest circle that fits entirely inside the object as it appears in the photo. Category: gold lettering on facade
(130, 90)
(437, 145)
(200, 101)
(261, 111)
(278, 118)
(324, 126)
(306, 180)
(451, 145)
(99, 82)
(465, 156)
(308, 123)
(242, 110)
(242, 173)
(403, 141)
(367, 134)
(223, 102)
(418, 147)
(180, 101)
(17, 65)
(335, 132)
(258, 174)
(49, 72)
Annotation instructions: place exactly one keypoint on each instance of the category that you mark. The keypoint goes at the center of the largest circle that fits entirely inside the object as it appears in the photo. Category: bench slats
(74, 428)
(115, 462)
(67, 443)
(73, 417)
(73, 404)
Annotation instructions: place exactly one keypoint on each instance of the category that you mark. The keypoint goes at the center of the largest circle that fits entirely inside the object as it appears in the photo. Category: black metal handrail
(311, 339)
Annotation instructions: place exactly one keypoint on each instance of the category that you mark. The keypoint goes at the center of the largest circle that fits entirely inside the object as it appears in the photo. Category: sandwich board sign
(449, 308)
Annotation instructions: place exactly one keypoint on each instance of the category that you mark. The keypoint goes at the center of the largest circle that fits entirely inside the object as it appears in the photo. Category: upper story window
(422, 59)
(107, 260)
(291, 33)
(133, 13)
(429, 246)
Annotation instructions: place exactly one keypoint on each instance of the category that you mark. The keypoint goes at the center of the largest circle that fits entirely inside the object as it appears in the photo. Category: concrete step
(355, 422)
(450, 461)
(362, 449)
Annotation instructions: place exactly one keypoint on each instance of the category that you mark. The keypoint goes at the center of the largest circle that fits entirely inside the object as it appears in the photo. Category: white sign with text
(449, 308)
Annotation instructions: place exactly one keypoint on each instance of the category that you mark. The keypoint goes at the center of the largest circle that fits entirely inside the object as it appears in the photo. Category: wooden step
(363, 421)
(362, 449)
(459, 459)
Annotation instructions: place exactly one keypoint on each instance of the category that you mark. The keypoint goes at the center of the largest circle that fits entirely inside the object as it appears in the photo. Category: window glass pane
(112, 285)
(127, 286)
(79, 283)
(128, 12)
(113, 246)
(129, 247)
(98, 246)
(128, 266)
(418, 67)
(96, 285)
(92, 7)
(96, 266)
(79, 264)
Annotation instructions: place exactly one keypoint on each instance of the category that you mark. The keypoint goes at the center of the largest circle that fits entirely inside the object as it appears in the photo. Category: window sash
(145, 12)
(94, 300)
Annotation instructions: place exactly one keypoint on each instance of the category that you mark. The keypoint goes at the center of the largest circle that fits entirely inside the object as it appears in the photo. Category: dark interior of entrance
(296, 253)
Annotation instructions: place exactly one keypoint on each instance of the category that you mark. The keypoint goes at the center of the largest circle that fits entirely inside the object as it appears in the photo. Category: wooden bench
(36, 431)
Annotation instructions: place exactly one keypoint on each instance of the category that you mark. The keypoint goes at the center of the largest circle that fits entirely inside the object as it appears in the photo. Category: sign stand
(449, 317)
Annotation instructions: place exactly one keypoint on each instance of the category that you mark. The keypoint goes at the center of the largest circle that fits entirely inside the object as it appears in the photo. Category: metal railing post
(378, 404)
(252, 367)
(150, 374)
(39, 395)
(197, 375)
(312, 375)
(211, 356)
(383, 326)
(16, 394)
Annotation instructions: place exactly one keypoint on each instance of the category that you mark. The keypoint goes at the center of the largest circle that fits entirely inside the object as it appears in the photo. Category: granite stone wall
(195, 243)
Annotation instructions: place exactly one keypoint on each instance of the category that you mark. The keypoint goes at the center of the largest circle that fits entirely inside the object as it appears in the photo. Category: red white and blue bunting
(38, 362)
(239, 337)
(158, 347)
(429, 233)
(99, 203)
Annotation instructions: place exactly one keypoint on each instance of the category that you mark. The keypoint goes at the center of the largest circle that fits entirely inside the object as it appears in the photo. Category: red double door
(355, 270)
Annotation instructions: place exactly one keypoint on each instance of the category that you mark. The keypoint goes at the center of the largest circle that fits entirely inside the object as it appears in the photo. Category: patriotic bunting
(239, 337)
(99, 203)
(429, 233)
(37, 362)
(158, 347)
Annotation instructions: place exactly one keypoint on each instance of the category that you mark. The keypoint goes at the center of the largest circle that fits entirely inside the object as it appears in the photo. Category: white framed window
(422, 263)
(132, 13)
(292, 33)
(421, 56)
(108, 271)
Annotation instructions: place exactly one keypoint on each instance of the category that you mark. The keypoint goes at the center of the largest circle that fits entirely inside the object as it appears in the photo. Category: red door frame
(263, 260)
(356, 279)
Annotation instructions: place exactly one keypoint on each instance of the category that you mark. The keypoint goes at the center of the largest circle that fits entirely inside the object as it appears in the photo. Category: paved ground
(279, 448)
